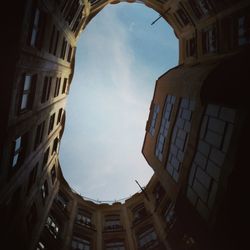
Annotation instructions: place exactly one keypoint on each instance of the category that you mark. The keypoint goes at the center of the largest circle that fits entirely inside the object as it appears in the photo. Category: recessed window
(51, 123)
(61, 200)
(80, 244)
(200, 7)
(139, 213)
(78, 20)
(63, 49)
(52, 226)
(18, 151)
(55, 146)
(64, 88)
(40, 246)
(57, 87)
(209, 40)
(59, 116)
(27, 92)
(70, 50)
(53, 174)
(72, 11)
(191, 47)
(83, 217)
(181, 17)
(115, 245)
(44, 191)
(39, 134)
(243, 31)
(46, 89)
(147, 239)
(37, 29)
(112, 222)
(46, 157)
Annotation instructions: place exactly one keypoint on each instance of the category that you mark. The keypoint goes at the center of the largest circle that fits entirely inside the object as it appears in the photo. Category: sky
(119, 57)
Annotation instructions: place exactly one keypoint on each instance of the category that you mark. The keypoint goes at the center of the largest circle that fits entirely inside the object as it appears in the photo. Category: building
(196, 137)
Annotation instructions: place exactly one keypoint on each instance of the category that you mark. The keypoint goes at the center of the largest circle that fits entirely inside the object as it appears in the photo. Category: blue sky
(119, 57)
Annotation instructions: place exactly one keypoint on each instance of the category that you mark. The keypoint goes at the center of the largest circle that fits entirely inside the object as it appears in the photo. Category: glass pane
(24, 103)
(27, 82)
(15, 160)
(18, 143)
(33, 37)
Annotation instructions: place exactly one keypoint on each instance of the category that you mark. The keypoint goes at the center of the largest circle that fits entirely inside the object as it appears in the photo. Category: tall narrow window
(147, 239)
(191, 47)
(64, 85)
(44, 191)
(63, 48)
(209, 40)
(169, 103)
(39, 134)
(59, 116)
(37, 29)
(55, 146)
(46, 157)
(27, 92)
(83, 217)
(57, 86)
(46, 89)
(243, 30)
(56, 43)
(53, 174)
(182, 17)
(112, 222)
(51, 123)
(18, 151)
(153, 119)
(69, 53)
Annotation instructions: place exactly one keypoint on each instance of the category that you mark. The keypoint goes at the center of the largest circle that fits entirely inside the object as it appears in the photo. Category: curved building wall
(195, 141)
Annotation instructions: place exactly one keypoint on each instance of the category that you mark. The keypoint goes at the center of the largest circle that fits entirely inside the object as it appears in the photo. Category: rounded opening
(119, 57)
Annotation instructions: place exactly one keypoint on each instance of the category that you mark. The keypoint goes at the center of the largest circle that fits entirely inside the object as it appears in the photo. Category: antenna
(160, 16)
(142, 189)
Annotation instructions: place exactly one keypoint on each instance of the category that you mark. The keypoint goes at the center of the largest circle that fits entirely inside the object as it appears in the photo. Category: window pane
(18, 143)
(27, 82)
(15, 160)
(24, 103)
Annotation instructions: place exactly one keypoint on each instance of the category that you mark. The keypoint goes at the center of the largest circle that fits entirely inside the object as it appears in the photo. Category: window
(139, 212)
(32, 177)
(209, 40)
(78, 20)
(147, 239)
(52, 37)
(63, 49)
(39, 134)
(181, 17)
(72, 11)
(55, 146)
(80, 244)
(153, 119)
(46, 89)
(37, 29)
(83, 217)
(51, 123)
(59, 116)
(243, 30)
(165, 122)
(179, 138)
(27, 92)
(18, 151)
(46, 157)
(159, 193)
(56, 43)
(61, 200)
(206, 168)
(69, 53)
(115, 245)
(53, 174)
(200, 7)
(191, 47)
(52, 226)
(170, 215)
(112, 222)
(57, 87)
(44, 191)
(40, 246)
(64, 86)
